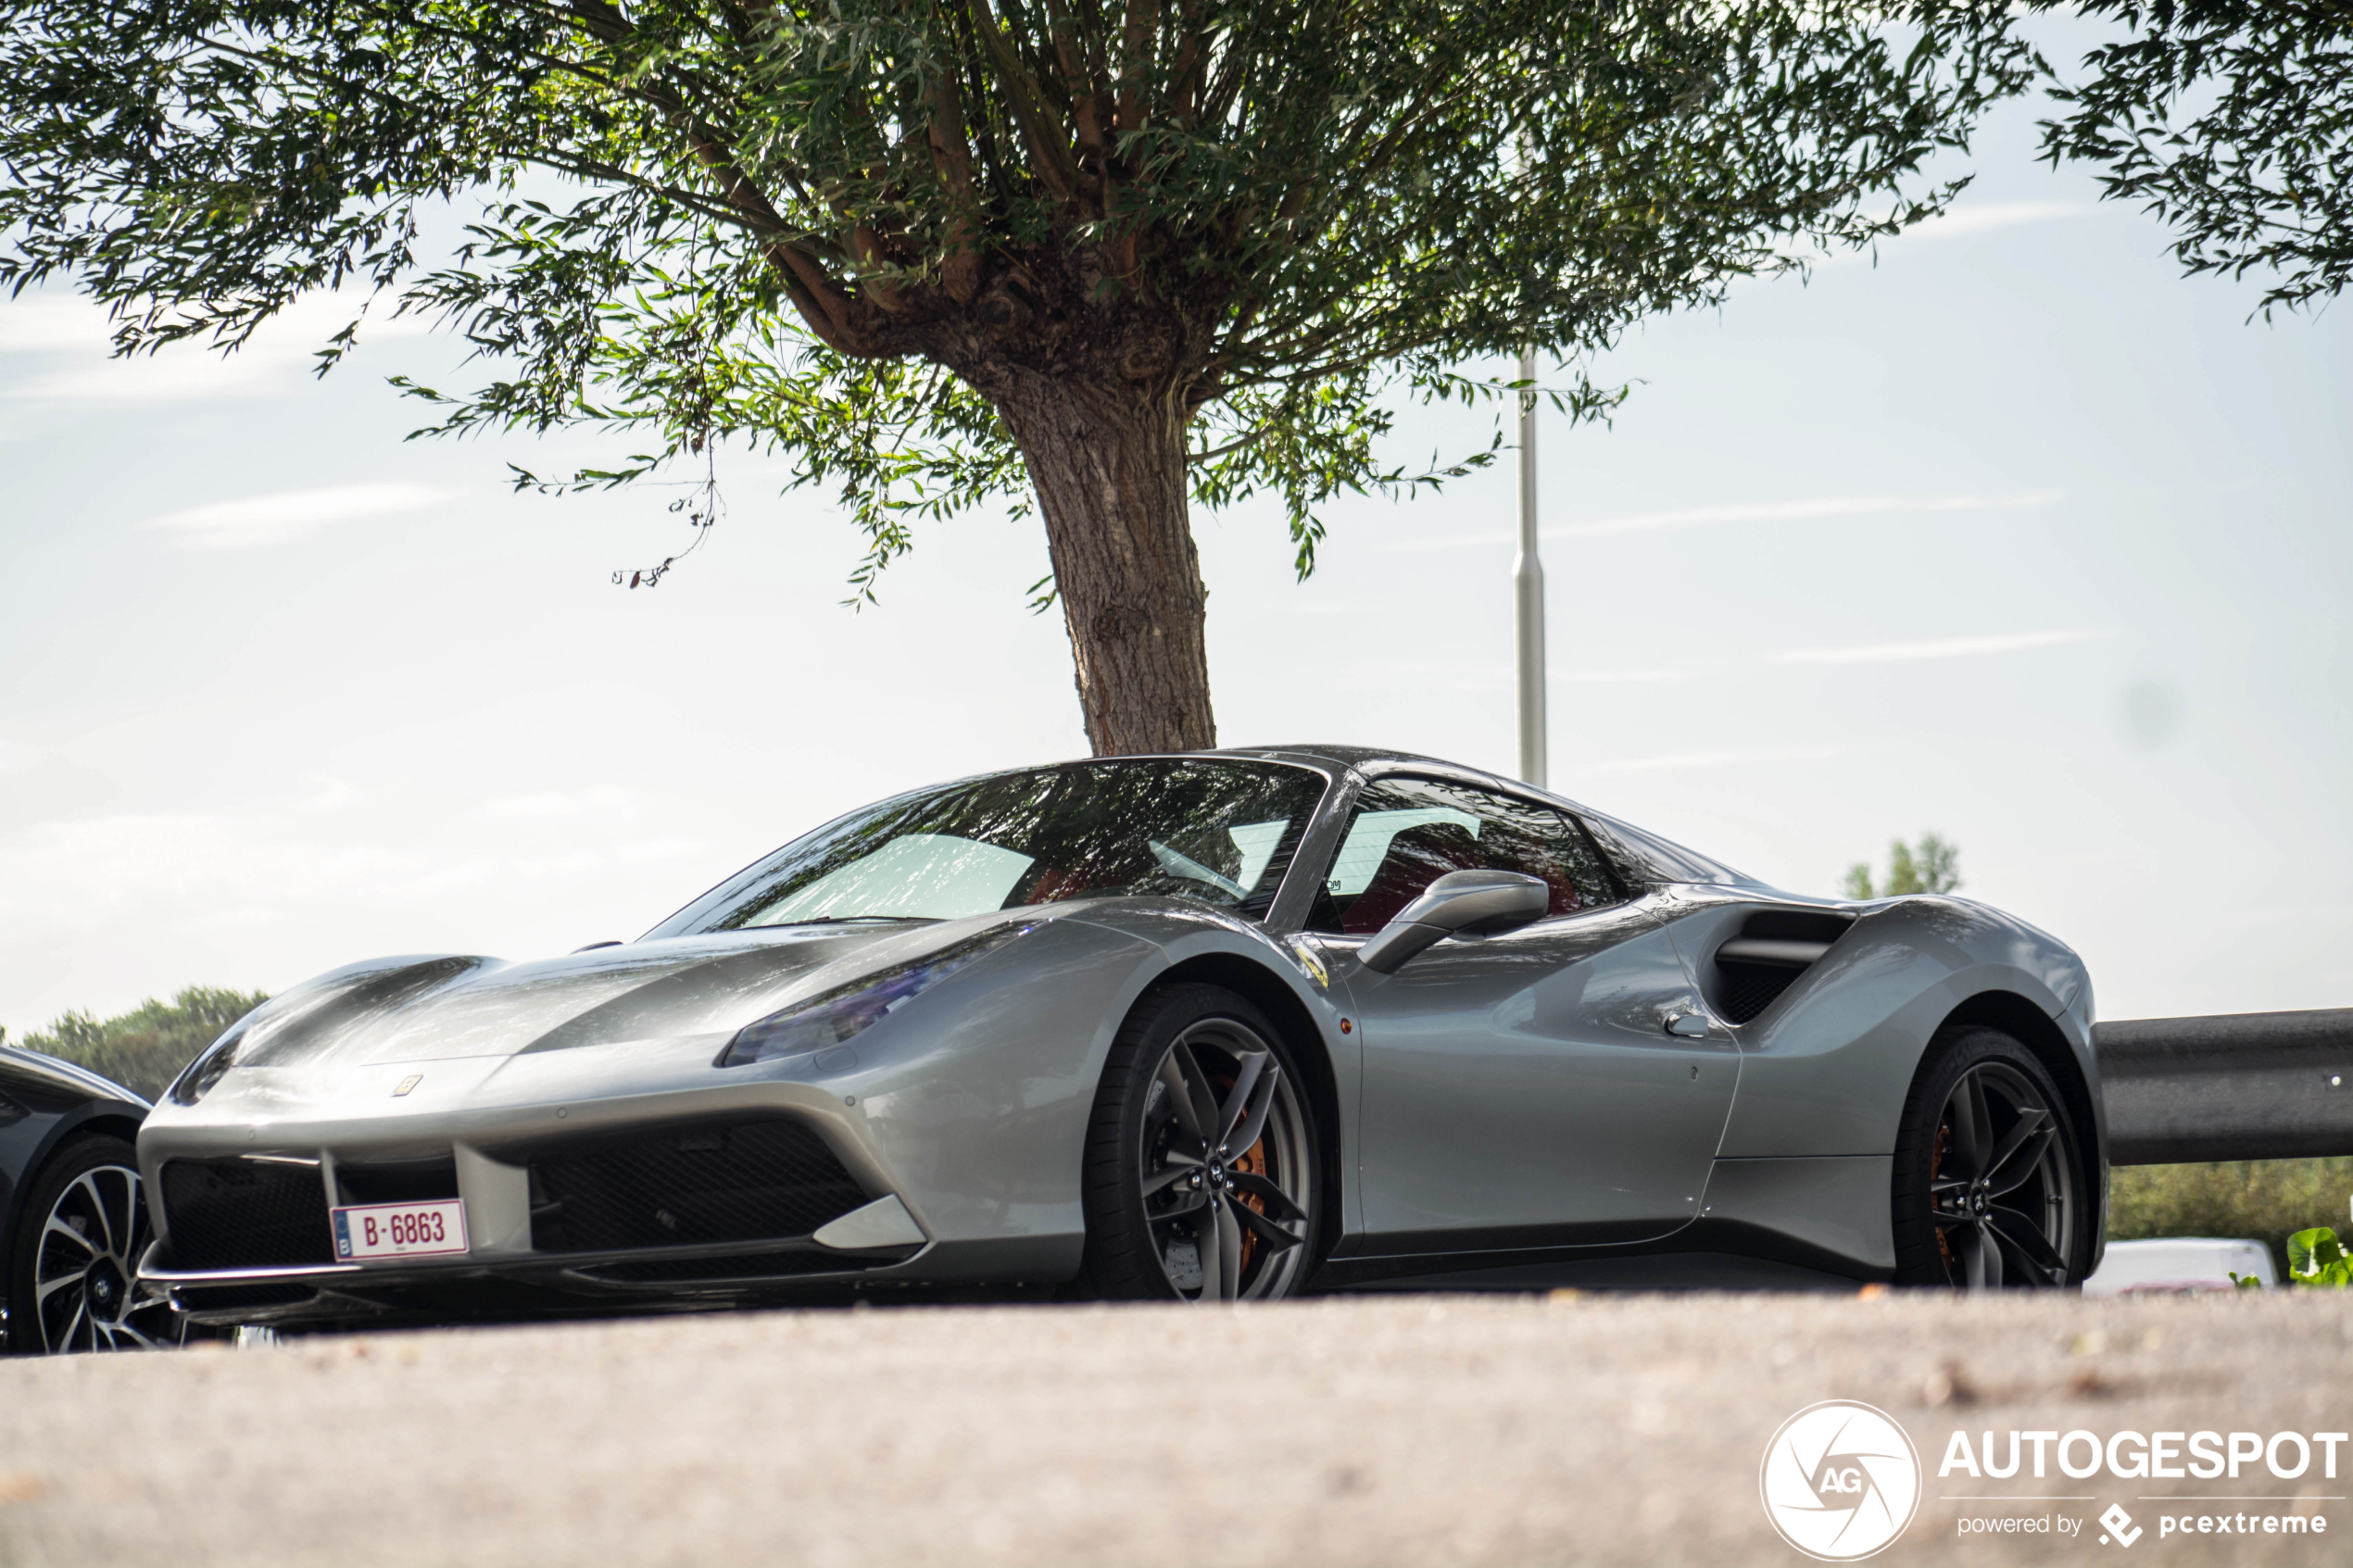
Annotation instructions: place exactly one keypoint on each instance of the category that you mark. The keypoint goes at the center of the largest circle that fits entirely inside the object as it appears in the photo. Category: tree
(1117, 258)
(2232, 122)
(145, 1049)
(1934, 867)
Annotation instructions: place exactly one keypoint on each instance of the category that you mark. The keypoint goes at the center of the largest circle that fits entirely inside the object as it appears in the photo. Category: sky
(2010, 533)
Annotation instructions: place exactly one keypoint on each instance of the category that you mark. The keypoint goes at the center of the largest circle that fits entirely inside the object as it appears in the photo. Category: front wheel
(1989, 1176)
(1200, 1172)
(73, 1285)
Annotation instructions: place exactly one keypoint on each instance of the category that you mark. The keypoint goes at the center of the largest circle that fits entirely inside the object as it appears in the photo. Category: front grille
(757, 1265)
(245, 1215)
(749, 1181)
(400, 1180)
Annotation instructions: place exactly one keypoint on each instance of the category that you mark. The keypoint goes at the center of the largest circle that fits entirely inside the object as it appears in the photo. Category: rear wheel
(73, 1285)
(1200, 1172)
(1988, 1184)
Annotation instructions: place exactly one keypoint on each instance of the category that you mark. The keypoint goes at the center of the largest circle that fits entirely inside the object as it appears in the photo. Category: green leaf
(2315, 1256)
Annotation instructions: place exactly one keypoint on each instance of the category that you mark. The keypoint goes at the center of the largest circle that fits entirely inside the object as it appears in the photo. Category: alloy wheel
(86, 1294)
(2001, 1184)
(1225, 1166)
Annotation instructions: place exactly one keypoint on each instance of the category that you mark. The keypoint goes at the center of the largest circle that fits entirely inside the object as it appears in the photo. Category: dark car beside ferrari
(73, 1218)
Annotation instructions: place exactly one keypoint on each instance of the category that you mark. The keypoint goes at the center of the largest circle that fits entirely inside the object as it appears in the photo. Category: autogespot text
(2155, 1456)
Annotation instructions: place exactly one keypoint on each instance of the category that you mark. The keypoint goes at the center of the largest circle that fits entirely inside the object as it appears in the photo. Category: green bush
(145, 1048)
(2265, 1200)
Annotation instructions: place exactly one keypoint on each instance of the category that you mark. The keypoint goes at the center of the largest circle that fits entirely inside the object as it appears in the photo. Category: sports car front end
(689, 1119)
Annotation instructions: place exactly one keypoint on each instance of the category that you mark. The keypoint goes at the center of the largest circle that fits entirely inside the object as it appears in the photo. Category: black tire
(1173, 1216)
(1990, 1189)
(70, 1285)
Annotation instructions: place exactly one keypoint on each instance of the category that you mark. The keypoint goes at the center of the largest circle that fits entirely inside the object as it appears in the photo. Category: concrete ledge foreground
(1362, 1432)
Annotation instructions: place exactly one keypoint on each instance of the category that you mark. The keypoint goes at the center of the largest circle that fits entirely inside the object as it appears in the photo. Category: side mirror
(1481, 903)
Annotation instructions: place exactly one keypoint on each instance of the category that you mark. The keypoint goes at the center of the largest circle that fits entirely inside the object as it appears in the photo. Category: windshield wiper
(849, 919)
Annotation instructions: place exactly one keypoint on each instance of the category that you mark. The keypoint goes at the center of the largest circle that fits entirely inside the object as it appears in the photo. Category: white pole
(1527, 593)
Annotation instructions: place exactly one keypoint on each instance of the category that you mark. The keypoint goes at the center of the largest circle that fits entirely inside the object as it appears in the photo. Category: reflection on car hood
(435, 1007)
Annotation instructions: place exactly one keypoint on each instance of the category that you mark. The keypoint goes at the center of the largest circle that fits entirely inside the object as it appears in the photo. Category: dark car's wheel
(73, 1285)
(1202, 1160)
(1989, 1176)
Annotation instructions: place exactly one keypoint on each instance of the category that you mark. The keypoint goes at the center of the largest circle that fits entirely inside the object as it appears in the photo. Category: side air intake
(1773, 949)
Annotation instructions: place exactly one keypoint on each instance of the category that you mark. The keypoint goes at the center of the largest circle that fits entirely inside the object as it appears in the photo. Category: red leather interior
(1417, 856)
(1054, 883)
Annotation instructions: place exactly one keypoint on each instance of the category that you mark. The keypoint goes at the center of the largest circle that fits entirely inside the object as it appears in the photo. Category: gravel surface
(1357, 1432)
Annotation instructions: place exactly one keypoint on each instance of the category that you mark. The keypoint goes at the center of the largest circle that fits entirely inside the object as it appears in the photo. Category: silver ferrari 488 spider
(1224, 1025)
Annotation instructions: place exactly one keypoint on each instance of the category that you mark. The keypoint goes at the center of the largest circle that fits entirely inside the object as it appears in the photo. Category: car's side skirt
(1709, 1253)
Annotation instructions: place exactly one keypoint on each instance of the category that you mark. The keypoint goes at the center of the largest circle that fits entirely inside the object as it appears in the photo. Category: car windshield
(1217, 831)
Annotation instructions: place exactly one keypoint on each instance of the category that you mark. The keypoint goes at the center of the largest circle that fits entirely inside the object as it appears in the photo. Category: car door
(1525, 1089)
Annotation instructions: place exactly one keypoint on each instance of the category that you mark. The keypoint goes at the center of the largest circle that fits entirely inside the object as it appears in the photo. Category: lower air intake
(244, 1297)
(763, 1265)
(245, 1215)
(747, 1181)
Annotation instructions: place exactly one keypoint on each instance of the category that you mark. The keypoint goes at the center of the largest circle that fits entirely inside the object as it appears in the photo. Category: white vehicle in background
(2177, 1265)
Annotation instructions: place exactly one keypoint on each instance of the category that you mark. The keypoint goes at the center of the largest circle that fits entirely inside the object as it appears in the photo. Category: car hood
(436, 1007)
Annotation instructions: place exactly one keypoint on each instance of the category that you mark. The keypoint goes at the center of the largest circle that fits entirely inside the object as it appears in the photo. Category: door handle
(1687, 1026)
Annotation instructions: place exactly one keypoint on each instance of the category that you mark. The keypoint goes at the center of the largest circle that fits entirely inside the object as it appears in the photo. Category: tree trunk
(1108, 464)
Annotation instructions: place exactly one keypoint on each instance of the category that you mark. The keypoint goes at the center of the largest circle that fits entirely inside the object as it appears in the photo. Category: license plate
(400, 1230)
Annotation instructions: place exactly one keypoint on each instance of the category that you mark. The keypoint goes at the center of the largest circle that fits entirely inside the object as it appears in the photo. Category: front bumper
(650, 1199)
(970, 1106)
(722, 1275)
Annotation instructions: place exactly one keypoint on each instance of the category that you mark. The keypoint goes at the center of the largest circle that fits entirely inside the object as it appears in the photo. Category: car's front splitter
(707, 1275)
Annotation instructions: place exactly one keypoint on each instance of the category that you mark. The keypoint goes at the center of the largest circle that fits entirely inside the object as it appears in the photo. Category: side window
(1404, 833)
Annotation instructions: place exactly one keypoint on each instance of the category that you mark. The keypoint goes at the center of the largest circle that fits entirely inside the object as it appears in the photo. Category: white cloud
(1939, 648)
(289, 514)
(327, 793)
(20, 757)
(1497, 675)
(1791, 511)
(277, 360)
(52, 324)
(1713, 759)
(180, 374)
(560, 802)
(78, 873)
(1618, 677)
(1980, 218)
(1753, 511)
(204, 870)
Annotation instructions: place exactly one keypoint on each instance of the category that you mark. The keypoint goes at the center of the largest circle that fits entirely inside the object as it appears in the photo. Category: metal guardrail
(2253, 1085)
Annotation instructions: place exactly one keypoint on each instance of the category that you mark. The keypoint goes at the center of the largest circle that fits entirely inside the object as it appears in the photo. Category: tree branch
(1052, 160)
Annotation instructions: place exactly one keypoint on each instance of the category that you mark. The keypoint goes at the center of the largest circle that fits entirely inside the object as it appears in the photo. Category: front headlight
(211, 1066)
(846, 1011)
(202, 1073)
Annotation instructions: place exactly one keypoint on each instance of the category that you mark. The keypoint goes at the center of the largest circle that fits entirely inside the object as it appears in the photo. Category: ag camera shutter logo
(1840, 1481)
